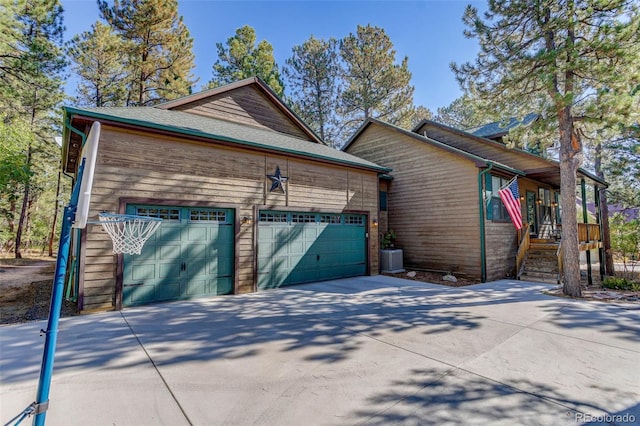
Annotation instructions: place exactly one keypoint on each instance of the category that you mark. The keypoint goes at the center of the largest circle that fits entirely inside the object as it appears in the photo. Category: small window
(303, 218)
(330, 218)
(162, 213)
(273, 217)
(208, 216)
(383, 201)
(353, 220)
(498, 210)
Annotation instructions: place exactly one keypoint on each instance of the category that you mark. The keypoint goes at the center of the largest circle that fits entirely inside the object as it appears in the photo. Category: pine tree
(375, 86)
(559, 58)
(242, 58)
(313, 73)
(31, 83)
(97, 60)
(159, 49)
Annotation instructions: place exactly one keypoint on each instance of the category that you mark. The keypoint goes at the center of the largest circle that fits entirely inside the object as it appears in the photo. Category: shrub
(619, 283)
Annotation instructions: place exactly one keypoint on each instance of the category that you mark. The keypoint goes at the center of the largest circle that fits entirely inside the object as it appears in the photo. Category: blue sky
(429, 32)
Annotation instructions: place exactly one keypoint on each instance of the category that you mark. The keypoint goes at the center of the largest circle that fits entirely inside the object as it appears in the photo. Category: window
(353, 220)
(303, 218)
(496, 210)
(329, 218)
(383, 201)
(162, 213)
(208, 216)
(276, 217)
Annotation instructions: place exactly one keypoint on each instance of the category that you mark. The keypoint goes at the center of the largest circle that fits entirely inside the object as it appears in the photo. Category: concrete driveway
(368, 350)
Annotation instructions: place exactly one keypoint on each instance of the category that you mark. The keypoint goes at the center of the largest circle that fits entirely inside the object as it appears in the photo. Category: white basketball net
(129, 233)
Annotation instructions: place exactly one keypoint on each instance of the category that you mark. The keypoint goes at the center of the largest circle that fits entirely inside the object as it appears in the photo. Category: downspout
(483, 254)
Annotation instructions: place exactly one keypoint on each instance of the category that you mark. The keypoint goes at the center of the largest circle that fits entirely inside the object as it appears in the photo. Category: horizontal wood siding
(245, 105)
(502, 247)
(432, 200)
(141, 166)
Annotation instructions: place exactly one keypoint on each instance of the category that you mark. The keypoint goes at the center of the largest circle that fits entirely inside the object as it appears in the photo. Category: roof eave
(79, 113)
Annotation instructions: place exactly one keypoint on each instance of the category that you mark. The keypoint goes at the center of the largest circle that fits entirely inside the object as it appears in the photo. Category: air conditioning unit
(391, 260)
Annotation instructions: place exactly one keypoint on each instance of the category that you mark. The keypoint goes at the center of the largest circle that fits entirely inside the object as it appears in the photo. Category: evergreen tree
(465, 112)
(97, 60)
(242, 58)
(557, 57)
(158, 49)
(313, 73)
(31, 83)
(374, 85)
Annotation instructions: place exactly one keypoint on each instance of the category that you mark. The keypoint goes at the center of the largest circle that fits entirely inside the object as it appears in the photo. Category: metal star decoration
(277, 181)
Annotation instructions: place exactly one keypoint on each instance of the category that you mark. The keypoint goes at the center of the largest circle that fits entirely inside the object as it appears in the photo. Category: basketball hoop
(128, 232)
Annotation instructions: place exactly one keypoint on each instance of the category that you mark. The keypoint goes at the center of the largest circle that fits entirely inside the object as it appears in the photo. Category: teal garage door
(190, 255)
(295, 248)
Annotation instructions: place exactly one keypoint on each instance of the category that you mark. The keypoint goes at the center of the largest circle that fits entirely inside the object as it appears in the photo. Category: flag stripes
(510, 196)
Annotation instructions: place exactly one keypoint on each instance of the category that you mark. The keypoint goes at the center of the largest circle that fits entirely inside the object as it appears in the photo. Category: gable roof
(214, 130)
(254, 82)
(534, 166)
(480, 161)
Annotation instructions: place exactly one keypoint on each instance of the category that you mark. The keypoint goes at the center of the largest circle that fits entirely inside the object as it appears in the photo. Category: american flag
(510, 197)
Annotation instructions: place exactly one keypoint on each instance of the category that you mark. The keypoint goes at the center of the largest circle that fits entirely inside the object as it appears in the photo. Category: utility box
(391, 260)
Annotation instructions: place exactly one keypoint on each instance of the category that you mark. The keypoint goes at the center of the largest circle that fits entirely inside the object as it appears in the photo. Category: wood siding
(433, 200)
(163, 170)
(245, 105)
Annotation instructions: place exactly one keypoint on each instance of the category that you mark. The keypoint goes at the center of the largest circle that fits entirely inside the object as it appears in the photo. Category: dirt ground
(25, 290)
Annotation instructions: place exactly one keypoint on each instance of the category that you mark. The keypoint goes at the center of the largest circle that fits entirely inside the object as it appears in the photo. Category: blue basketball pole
(41, 403)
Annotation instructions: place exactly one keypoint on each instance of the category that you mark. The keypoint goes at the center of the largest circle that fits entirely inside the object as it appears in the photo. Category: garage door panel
(142, 272)
(168, 290)
(169, 269)
(196, 287)
(165, 252)
(309, 247)
(222, 286)
(197, 233)
(168, 232)
(138, 294)
(190, 255)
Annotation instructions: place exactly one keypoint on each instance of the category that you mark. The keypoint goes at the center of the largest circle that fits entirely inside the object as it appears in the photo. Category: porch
(540, 259)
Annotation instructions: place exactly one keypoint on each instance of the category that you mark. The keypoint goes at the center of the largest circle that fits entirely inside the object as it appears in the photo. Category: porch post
(585, 218)
(596, 192)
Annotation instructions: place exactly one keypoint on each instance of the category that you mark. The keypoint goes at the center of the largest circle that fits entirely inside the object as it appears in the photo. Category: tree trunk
(570, 150)
(25, 207)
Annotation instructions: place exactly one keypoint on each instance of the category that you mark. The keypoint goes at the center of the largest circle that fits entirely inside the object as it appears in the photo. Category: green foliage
(625, 238)
(556, 57)
(158, 49)
(388, 239)
(620, 283)
(466, 112)
(313, 72)
(98, 62)
(242, 58)
(375, 86)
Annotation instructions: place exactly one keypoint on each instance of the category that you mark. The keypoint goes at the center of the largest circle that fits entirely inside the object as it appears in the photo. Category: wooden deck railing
(588, 232)
(523, 248)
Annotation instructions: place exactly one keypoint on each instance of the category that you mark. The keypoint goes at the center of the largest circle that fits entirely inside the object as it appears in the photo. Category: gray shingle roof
(216, 129)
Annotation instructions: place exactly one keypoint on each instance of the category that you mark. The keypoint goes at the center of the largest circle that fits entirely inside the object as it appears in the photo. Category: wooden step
(542, 277)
